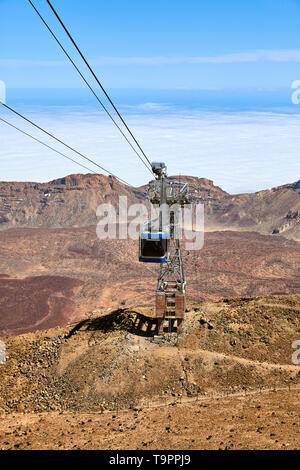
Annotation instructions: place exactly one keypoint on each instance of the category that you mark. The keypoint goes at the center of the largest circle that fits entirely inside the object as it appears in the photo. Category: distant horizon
(198, 98)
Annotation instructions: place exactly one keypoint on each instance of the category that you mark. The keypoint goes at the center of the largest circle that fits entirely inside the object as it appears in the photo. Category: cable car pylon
(160, 243)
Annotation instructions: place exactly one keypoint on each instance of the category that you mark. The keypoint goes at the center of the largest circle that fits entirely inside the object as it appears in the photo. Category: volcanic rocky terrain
(54, 269)
(83, 367)
(228, 381)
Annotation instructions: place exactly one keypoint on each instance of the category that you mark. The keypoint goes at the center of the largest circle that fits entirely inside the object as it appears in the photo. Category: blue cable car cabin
(154, 246)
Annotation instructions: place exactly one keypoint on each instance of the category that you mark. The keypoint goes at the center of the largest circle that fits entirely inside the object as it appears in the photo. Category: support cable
(91, 89)
(97, 80)
(61, 142)
(46, 145)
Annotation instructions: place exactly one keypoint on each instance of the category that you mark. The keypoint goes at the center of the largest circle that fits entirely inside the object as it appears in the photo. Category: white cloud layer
(241, 151)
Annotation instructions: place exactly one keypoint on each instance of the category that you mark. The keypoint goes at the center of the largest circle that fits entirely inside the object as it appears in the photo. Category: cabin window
(154, 248)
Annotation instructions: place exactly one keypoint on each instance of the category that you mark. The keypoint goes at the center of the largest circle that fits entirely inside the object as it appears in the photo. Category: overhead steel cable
(46, 145)
(87, 83)
(97, 80)
(63, 143)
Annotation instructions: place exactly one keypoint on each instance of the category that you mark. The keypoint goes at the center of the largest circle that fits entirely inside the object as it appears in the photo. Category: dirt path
(211, 355)
(259, 421)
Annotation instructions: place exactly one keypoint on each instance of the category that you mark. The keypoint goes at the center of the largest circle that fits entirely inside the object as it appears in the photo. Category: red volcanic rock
(230, 264)
(36, 303)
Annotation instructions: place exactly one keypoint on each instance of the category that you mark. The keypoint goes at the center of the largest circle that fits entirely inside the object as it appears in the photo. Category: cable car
(154, 245)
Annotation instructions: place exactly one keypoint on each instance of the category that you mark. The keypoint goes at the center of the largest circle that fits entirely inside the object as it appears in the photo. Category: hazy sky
(243, 133)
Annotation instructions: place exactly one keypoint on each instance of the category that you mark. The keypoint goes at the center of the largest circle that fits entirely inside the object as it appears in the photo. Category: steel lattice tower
(170, 291)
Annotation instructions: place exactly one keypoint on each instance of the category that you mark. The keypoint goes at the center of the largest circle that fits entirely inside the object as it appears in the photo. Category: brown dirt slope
(111, 361)
(227, 382)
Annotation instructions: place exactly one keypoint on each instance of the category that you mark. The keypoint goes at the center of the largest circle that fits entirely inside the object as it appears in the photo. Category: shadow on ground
(122, 320)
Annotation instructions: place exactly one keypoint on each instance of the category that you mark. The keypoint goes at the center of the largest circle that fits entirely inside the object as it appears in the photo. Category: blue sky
(159, 44)
(205, 86)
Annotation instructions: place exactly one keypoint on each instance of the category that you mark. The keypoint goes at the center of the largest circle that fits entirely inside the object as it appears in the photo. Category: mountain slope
(72, 201)
(274, 211)
(110, 361)
(227, 383)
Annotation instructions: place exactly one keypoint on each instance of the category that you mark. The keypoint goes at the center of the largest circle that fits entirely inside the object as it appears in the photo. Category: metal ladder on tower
(170, 292)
